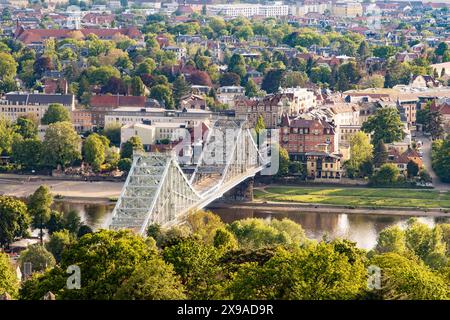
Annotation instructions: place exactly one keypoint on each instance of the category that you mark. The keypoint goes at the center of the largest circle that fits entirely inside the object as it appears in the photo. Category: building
(299, 136)
(248, 10)
(323, 165)
(82, 120)
(16, 104)
(347, 9)
(193, 102)
(158, 132)
(131, 115)
(424, 82)
(401, 159)
(442, 69)
(102, 104)
(35, 37)
(443, 107)
(228, 94)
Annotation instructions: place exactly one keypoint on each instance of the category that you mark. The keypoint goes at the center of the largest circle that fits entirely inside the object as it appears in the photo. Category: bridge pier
(242, 192)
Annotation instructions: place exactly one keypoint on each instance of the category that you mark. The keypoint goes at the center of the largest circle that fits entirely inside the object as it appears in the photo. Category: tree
(200, 78)
(294, 79)
(272, 80)
(257, 233)
(14, 220)
(72, 222)
(8, 279)
(27, 128)
(164, 96)
(112, 132)
(152, 280)
(441, 49)
(224, 240)
(95, 148)
(380, 156)
(115, 85)
(133, 144)
(56, 113)
(39, 258)
(58, 242)
(284, 161)
(324, 271)
(27, 152)
(107, 258)
(8, 66)
(204, 223)
(197, 265)
(391, 239)
(61, 145)
(7, 136)
(403, 278)
(251, 90)
(360, 149)
(39, 206)
(412, 169)
(373, 81)
(55, 222)
(364, 50)
(229, 79)
(388, 174)
(384, 125)
(427, 243)
(440, 157)
(124, 164)
(348, 75)
(237, 65)
(41, 65)
(181, 88)
(137, 86)
(434, 124)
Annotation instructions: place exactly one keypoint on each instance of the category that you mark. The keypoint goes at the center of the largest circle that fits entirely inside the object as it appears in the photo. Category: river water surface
(360, 228)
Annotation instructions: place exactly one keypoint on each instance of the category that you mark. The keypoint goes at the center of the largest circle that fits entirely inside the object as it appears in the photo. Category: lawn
(370, 197)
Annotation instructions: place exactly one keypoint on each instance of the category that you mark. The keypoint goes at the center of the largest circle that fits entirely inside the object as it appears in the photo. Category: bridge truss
(158, 191)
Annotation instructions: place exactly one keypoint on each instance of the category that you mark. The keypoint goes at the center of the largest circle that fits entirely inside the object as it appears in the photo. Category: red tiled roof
(38, 35)
(100, 101)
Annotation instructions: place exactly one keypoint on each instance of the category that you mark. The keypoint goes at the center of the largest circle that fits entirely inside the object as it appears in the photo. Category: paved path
(426, 149)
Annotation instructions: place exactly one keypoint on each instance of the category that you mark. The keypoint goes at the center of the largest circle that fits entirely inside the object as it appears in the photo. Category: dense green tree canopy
(384, 125)
(14, 220)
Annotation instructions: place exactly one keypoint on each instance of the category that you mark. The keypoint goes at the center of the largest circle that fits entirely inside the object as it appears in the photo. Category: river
(360, 228)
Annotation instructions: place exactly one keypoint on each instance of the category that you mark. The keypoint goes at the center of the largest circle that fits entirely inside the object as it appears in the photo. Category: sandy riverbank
(80, 190)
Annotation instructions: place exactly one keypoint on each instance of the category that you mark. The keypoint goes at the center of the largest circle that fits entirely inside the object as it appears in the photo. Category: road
(426, 149)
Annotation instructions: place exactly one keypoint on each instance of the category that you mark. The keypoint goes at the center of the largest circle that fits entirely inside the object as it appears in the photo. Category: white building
(227, 94)
(301, 99)
(132, 115)
(248, 10)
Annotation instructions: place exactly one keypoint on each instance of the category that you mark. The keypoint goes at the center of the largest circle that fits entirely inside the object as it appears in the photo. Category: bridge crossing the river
(158, 191)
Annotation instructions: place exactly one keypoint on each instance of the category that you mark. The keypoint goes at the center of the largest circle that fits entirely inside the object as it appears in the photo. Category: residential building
(16, 104)
(228, 94)
(299, 136)
(82, 120)
(347, 9)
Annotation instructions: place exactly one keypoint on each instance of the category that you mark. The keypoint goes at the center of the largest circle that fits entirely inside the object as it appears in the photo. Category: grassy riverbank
(357, 197)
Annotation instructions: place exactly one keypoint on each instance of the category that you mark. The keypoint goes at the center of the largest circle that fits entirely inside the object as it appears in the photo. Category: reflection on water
(93, 214)
(362, 229)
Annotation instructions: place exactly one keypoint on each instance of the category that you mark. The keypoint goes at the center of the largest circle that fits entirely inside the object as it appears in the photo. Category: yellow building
(347, 9)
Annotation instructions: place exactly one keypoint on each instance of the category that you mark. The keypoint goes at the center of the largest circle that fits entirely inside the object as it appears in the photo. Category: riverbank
(289, 207)
(378, 198)
(67, 189)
